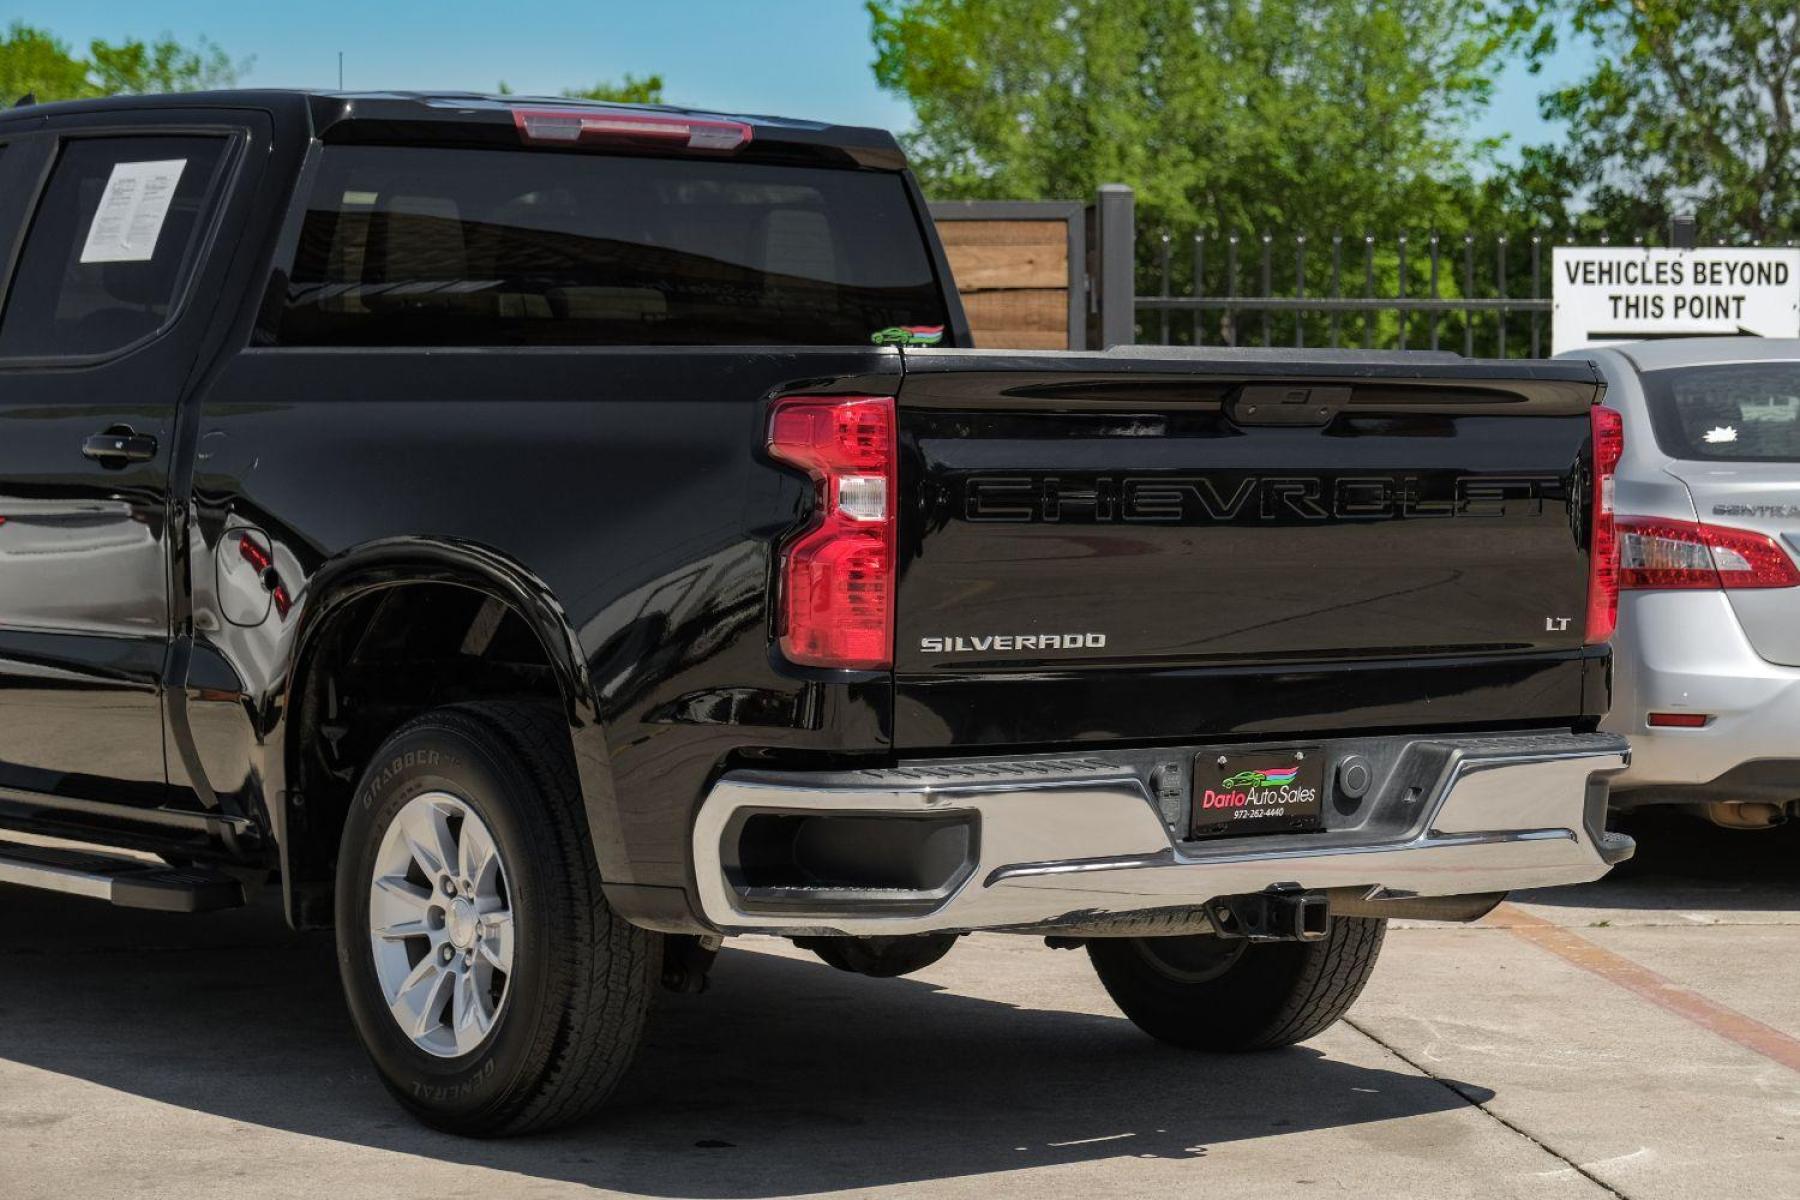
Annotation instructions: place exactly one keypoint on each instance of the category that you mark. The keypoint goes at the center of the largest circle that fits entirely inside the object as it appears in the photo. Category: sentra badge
(1756, 510)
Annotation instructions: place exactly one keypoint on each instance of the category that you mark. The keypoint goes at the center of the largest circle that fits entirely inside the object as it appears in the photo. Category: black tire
(576, 1001)
(1208, 993)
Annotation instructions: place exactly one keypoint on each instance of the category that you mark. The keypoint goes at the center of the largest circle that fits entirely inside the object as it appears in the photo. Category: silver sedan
(1707, 653)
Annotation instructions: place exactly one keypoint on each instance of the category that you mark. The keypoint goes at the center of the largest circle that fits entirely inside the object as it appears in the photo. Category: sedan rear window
(419, 246)
(1741, 412)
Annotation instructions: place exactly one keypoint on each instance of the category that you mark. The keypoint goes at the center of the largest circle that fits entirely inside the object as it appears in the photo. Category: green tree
(165, 65)
(1690, 106)
(630, 90)
(33, 61)
(1296, 115)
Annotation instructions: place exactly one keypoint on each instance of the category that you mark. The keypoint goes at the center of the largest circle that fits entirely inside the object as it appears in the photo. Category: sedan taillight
(1656, 555)
(837, 576)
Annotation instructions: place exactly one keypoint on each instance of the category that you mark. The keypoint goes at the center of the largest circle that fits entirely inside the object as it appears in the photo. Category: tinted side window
(427, 247)
(110, 244)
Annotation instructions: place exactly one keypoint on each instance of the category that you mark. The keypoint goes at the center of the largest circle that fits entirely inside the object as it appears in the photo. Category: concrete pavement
(150, 1056)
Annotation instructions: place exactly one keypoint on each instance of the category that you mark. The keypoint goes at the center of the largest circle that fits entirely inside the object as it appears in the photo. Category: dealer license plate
(1269, 791)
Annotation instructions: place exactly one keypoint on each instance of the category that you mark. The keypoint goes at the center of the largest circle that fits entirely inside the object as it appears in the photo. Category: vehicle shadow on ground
(1683, 861)
(787, 1077)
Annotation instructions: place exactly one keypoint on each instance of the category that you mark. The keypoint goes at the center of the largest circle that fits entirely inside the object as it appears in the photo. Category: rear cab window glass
(110, 245)
(420, 246)
(1738, 412)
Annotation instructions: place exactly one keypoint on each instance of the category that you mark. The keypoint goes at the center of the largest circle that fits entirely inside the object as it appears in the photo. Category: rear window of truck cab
(418, 246)
(1732, 412)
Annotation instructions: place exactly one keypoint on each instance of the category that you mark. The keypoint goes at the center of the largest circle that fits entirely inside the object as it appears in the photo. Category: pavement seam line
(1456, 1090)
(1733, 1026)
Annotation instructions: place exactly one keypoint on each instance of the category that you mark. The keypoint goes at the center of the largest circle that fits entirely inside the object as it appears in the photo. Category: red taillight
(1608, 430)
(629, 128)
(1657, 555)
(837, 577)
(1667, 720)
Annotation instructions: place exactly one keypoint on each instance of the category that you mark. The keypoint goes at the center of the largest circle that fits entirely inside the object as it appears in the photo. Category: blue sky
(803, 58)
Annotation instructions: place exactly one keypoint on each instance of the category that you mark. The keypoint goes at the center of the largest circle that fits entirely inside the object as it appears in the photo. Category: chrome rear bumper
(1060, 842)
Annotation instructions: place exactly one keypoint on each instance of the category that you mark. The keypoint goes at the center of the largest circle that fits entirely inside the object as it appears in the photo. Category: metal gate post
(1116, 265)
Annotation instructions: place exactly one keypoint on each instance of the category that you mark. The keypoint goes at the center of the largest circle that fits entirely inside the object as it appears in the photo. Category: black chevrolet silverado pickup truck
(543, 539)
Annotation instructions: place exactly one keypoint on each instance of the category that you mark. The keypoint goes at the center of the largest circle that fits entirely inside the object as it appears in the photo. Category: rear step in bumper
(123, 882)
(1068, 842)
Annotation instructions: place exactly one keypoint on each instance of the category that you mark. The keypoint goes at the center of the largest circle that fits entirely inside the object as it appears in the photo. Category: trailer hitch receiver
(1272, 916)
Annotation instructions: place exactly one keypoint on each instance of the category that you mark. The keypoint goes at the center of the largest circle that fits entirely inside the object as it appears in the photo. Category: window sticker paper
(132, 210)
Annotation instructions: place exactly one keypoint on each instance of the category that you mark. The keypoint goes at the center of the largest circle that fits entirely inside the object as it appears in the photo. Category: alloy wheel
(441, 925)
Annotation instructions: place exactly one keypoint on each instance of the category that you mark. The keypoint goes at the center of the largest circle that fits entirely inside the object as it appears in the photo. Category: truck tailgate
(1183, 544)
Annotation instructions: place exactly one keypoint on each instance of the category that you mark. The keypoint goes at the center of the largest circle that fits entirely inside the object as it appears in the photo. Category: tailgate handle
(1287, 404)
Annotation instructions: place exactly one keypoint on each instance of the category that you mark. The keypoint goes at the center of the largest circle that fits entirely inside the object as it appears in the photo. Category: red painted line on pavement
(1641, 981)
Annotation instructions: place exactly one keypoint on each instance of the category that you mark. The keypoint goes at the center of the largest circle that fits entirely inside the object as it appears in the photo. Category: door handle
(118, 446)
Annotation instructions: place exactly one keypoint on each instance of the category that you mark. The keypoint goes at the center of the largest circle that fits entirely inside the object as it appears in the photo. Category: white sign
(131, 212)
(1604, 294)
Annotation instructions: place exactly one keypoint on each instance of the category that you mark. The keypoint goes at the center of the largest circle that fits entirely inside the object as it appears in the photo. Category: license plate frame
(1244, 793)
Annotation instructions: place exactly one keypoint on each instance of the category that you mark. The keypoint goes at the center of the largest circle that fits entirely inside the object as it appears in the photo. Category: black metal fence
(1485, 294)
(1488, 293)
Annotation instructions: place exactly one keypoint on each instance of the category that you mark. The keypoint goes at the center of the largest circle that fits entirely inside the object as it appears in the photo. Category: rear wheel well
(378, 660)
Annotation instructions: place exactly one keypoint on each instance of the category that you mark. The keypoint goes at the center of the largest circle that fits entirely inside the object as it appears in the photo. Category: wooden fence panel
(1012, 270)
(1019, 318)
